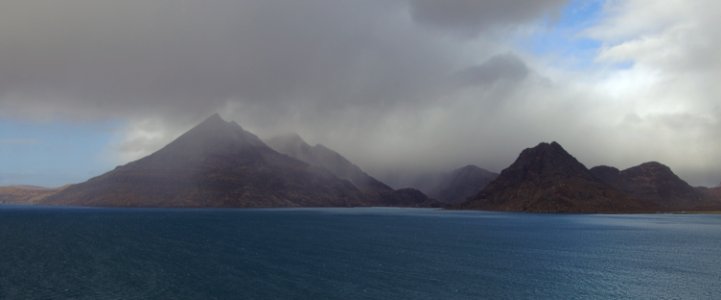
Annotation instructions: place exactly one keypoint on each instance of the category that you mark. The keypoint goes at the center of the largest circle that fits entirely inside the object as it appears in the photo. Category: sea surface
(354, 253)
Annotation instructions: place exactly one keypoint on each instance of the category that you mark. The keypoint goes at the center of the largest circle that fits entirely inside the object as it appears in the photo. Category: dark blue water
(51, 253)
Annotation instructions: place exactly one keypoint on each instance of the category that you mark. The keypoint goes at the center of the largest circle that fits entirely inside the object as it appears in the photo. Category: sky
(400, 87)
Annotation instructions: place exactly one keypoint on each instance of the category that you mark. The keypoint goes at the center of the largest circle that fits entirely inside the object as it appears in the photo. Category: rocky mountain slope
(294, 146)
(216, 164)
(654, 182)
(546, 178)
(323, 157)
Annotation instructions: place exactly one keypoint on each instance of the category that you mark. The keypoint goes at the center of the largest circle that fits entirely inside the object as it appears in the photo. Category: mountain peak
(213, 123)
(548, 147)
(214, 119)
(468, 167)
(547, 159)
(656, 181)
(651, 168)
(215, 116)
(216, 164)
(213, 135)
(654, 165)
(546, 178)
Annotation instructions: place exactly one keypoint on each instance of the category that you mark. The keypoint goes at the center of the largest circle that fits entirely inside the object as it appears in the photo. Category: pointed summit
(215, 164)
(213, 136)
(546, 160)
(218, 164)
(546, 178)
(214, 118)
(214, 122)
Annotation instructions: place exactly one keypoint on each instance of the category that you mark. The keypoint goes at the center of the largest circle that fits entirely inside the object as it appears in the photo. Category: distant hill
(427, 182)
(449, 187)
(654, 182)
(24, 194)
(462, 183)
(546, 178)
(321, 156)
(216, 164)
(715, 194)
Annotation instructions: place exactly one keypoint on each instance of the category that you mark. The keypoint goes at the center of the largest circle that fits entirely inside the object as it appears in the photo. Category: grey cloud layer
(388, 83)
(100, 56)
(470, 17)
(130, 57)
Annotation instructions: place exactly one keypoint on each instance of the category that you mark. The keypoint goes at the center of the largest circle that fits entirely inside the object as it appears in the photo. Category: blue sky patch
(53, 154)
(562, 38)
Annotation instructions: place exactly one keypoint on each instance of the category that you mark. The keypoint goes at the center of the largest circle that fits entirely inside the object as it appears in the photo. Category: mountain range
(323, 157)
(546, 178)
(220, 164)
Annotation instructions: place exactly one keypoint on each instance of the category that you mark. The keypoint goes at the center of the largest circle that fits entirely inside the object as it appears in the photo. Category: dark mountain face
(654, 182)
(294, 146)
(462, 183)
(710, 197)
(215, 164)
(608, 175)
(715, 195)
(548, 179)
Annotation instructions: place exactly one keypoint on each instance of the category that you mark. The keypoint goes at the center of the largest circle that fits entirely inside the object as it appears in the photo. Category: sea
(354, 253)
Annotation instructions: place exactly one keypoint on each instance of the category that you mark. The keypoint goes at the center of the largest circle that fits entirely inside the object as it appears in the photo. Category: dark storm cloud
(499, 67)
(128, 57)
(369, 78)
(469, 17)
(332, 69)
(98, 58)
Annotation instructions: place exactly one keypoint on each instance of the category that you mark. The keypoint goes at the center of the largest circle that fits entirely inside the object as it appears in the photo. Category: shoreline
(189, 209)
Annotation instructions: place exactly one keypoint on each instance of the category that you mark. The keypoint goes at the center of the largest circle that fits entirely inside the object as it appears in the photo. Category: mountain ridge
(215, 164)
(320, 155)
(546, 178)
(323, 157)
(219, 164)
(652, 181)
